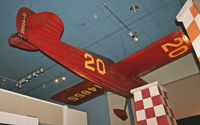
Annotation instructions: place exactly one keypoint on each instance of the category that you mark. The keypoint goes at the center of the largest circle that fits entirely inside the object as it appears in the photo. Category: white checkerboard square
(196, 46)
(197, 19)
(140, 115)
(152, 121)
(154, 91)
(147, 103)
(138, 96)
(188, 18)
(159, 110)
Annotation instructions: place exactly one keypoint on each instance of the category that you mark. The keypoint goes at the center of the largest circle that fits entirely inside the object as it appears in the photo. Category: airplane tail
(19, 39)
(46, 23)
(21, 20)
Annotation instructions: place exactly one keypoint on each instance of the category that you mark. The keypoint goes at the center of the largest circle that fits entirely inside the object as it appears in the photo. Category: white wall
(76, 117)
(14, 119)
(48, 113)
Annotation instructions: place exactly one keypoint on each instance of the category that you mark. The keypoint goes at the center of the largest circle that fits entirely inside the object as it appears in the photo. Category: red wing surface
(79, 93)
(159, 53)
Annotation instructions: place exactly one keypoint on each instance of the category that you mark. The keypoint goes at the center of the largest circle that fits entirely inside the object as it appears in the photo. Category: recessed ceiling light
(63, 78)
(95, 16)
(134, 8)
(56, 80)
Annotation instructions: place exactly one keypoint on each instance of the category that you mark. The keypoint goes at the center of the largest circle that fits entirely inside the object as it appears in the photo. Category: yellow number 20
(88, 64)
(180, 50)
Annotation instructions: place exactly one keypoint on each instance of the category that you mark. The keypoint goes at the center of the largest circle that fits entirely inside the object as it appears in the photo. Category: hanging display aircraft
(42, 31)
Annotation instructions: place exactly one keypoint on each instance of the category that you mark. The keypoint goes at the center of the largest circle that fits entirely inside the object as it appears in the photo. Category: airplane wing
(79, 93)
(159, 53)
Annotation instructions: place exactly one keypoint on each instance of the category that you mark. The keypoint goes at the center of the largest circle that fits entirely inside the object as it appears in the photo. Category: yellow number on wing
(86, 92)
(98, 86)
(72, 98)
(89, 62)
(79, 95)
(101, 71)
(92, 89)
(178, 51)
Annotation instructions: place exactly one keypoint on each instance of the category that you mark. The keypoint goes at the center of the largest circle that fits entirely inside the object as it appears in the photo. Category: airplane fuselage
(86, 65)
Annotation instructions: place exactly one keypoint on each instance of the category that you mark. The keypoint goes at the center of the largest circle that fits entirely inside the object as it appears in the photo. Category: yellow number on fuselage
(88, 64)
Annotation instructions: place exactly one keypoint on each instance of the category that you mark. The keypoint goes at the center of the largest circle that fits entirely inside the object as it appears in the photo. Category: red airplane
(42, 31)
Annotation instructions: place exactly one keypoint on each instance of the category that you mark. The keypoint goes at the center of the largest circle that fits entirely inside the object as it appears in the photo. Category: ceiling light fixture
(19, 85)
(28, 77)
(134, 8)
(34, 74)
(37, 72)
(3, 82)
(56, 80)
(133, 35)
(63, 78)
(42, 70)
(95, 16)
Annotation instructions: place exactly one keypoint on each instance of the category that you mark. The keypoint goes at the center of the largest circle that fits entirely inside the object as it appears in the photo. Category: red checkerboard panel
(152, 107)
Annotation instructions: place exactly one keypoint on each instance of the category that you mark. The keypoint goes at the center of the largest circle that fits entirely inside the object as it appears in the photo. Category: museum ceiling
(88, 25)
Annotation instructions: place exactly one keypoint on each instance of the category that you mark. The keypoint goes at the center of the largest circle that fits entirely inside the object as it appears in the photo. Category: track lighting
(3, 82)
(133, 36)
(37, 72)
(42, 70)
(134, 8)
(19, 85)
(28, 77)
(34, 74)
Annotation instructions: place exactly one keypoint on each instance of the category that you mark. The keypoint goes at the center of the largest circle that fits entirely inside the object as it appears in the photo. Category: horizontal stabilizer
(79, 93)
